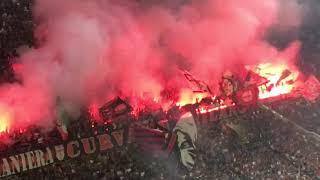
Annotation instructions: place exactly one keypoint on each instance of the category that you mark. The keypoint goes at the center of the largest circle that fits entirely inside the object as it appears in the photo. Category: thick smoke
(91, 50)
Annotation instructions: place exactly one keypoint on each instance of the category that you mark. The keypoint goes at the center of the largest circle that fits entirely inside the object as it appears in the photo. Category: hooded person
(229, 86)
(184, 126)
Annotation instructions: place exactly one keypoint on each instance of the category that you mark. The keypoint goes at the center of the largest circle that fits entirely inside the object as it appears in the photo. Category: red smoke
(92, 50)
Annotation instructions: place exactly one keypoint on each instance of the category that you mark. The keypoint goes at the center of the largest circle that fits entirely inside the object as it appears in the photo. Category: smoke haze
(91, 50)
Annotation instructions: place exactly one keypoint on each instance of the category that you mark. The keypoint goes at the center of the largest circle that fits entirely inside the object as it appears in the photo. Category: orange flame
(187, 96)
(4, 119)
(281, 79)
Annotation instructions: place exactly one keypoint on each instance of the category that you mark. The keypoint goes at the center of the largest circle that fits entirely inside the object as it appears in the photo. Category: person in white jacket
(183, 125)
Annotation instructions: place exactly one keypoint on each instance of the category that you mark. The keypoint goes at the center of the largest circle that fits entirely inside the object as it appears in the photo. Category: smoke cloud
(91, 50)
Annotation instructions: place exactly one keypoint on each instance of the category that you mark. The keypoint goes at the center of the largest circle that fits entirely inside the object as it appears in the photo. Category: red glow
(281, 80)
(94, 111)
(17, 68)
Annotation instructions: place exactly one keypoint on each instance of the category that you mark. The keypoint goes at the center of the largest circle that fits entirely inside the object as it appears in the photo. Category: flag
(150, 141)
(63, 119)
(201, 85)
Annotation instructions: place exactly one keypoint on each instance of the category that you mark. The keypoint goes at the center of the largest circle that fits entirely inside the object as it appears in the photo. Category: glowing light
(189, 97)
(281, 79)
(94, 111)
(205, 110)
(4, 119)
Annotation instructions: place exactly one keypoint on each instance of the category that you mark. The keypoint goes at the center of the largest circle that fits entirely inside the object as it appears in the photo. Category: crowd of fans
(275, 150)
(16, 30)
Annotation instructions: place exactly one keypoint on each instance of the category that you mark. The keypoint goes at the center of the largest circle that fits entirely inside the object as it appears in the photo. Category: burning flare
(272, 80)
(187, 96)
(5, 119)
(281, 79)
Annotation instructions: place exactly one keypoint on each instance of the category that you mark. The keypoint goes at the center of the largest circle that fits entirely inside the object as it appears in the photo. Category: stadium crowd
(219, 156)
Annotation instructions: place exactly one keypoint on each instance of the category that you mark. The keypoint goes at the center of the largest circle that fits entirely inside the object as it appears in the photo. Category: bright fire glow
(187, 96)
(281, 79)
(4, 119)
